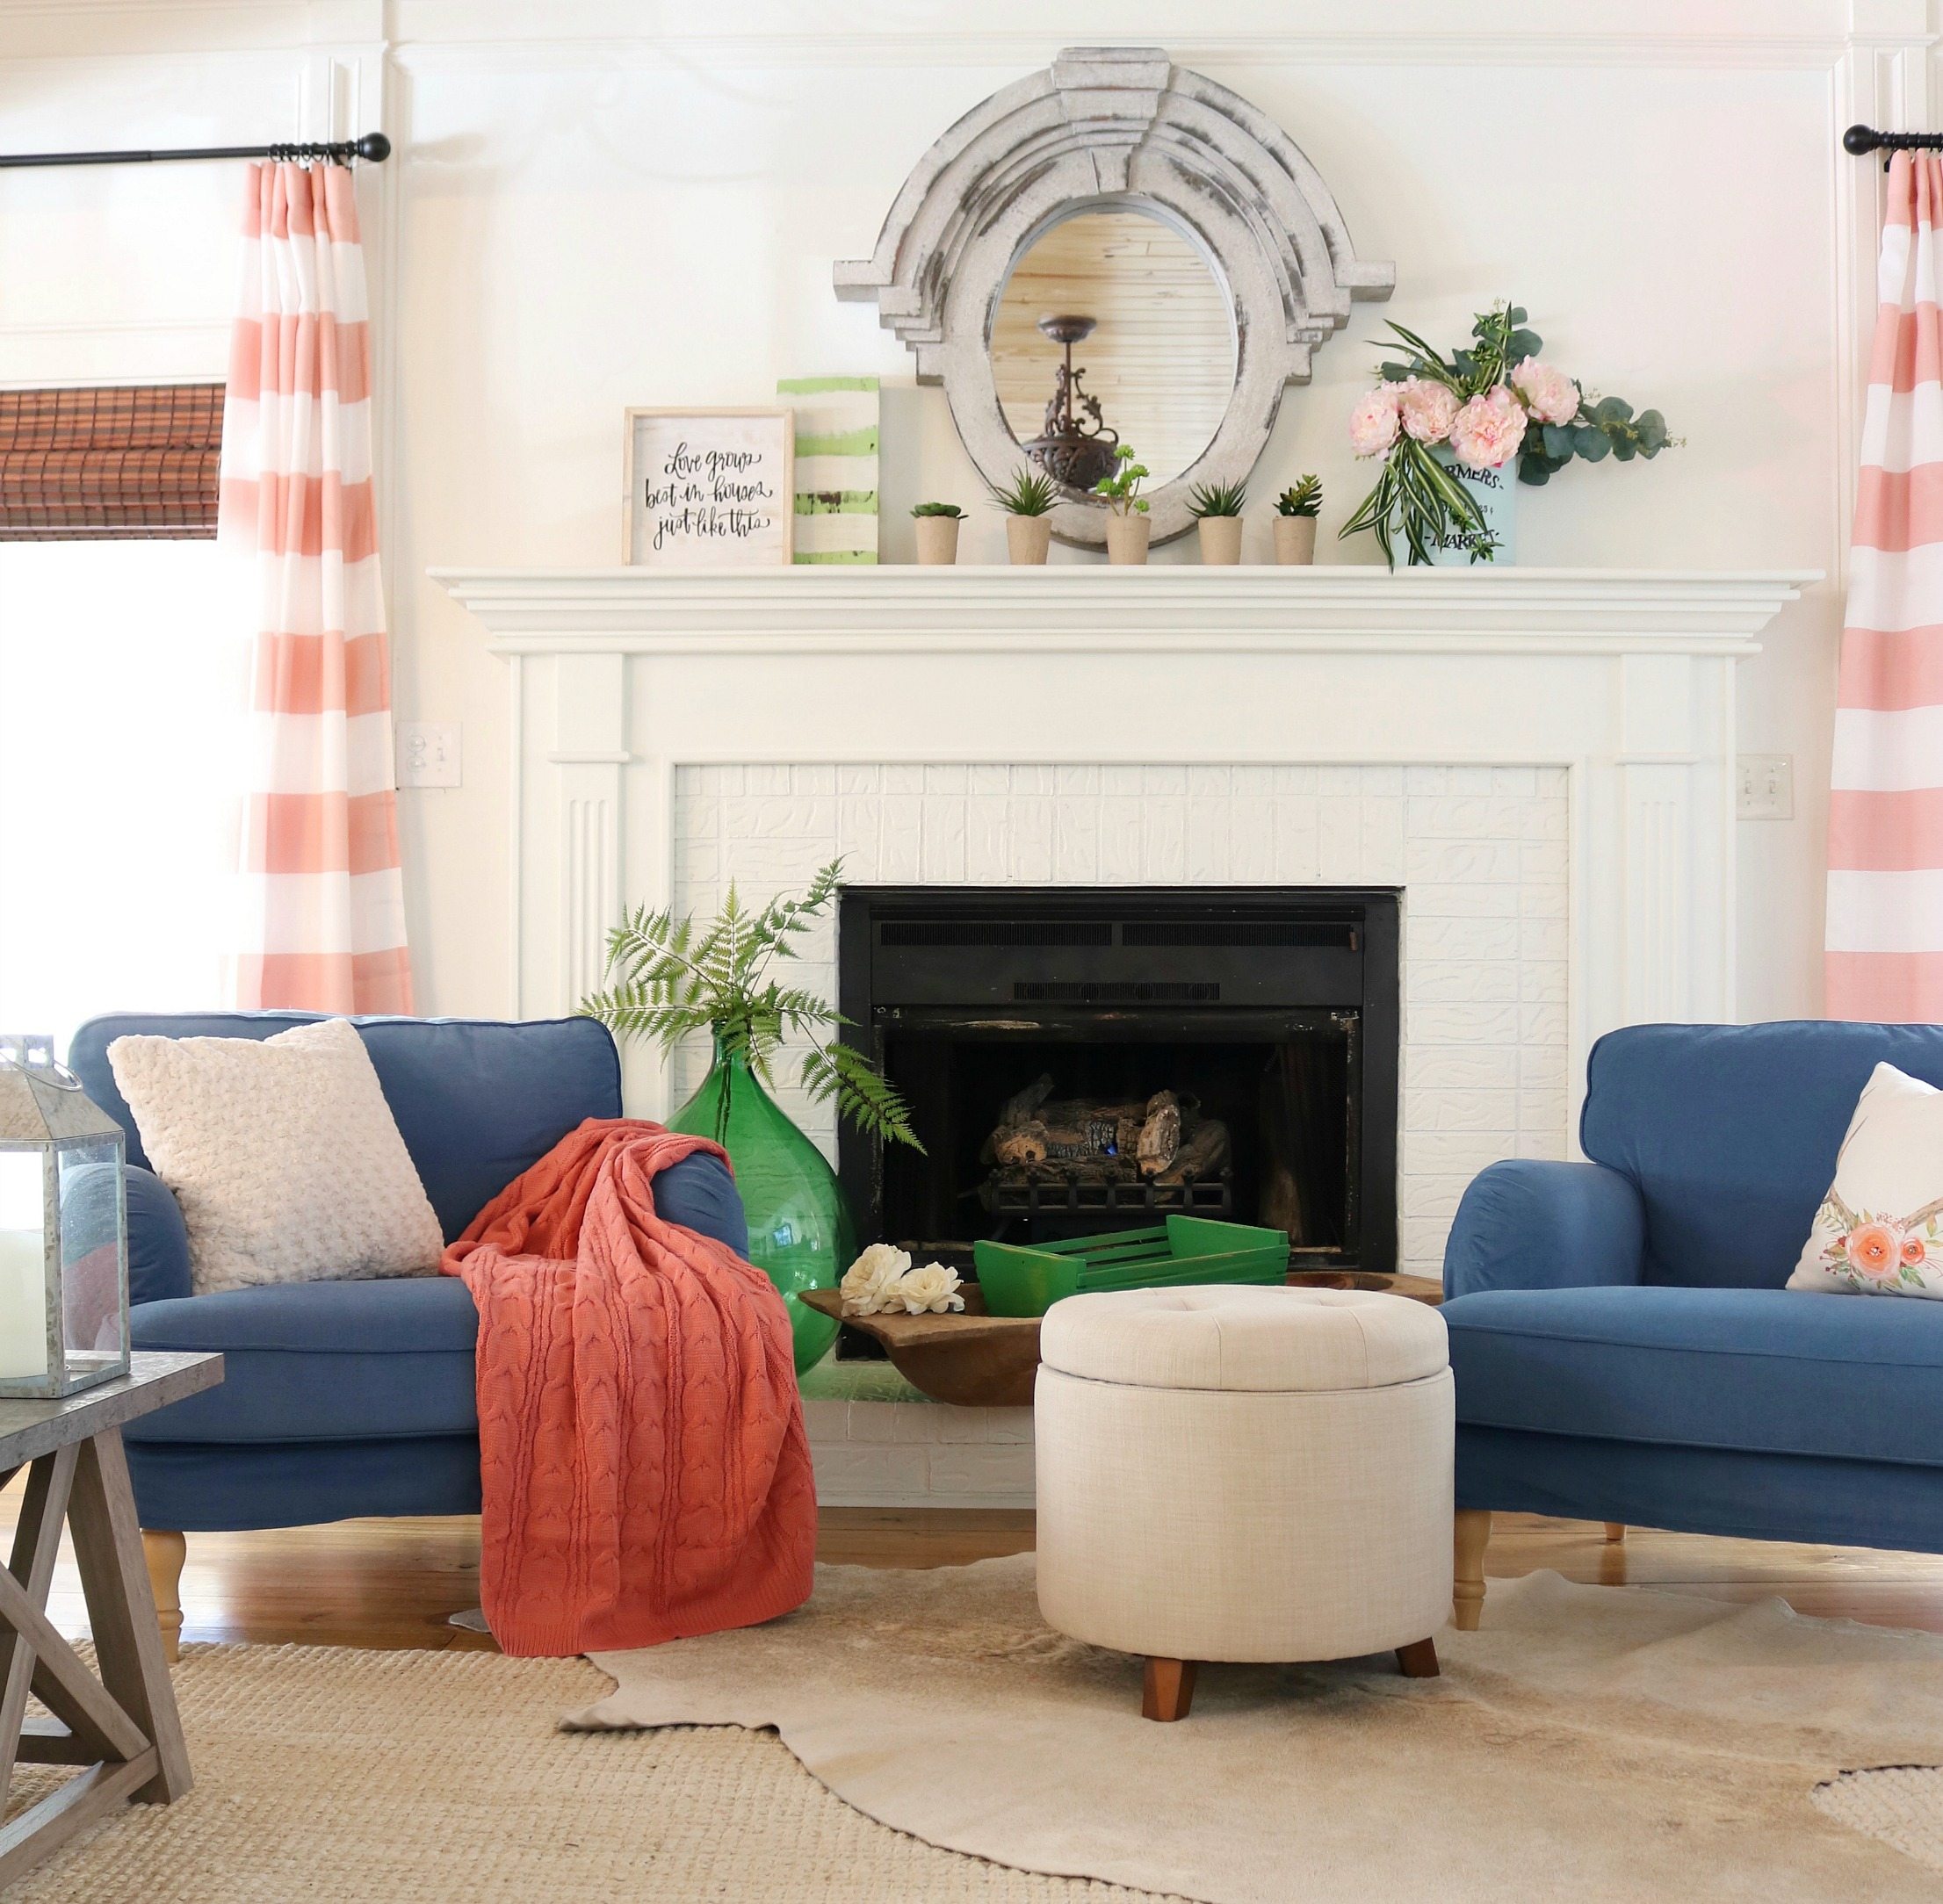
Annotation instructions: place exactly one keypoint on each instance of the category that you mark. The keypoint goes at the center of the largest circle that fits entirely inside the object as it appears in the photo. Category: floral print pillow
(1880, 1229)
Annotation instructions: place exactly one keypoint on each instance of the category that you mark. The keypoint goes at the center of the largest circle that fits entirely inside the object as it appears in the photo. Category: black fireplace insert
(1081, 1059)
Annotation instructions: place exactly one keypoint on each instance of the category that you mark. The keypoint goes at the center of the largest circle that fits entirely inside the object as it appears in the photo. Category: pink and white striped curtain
(323, 915)
(1885, 836)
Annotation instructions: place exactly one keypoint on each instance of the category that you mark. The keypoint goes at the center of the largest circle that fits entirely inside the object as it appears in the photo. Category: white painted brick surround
(1479, 851)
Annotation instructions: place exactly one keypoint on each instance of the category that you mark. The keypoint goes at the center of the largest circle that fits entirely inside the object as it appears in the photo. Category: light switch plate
(427, 753)
(1766, 787)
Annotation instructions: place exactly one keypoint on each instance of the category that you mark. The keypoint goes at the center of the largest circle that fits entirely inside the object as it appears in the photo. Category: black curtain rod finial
(1863, 140)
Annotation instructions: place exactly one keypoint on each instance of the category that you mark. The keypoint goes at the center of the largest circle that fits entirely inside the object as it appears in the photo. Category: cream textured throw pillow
(1880, 1229)
(283, 1155)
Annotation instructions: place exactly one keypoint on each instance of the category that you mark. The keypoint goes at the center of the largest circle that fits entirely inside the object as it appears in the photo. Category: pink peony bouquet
(1434, 417)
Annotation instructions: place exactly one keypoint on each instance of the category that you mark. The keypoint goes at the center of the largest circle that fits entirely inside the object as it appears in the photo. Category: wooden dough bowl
(973, 1359)
(977, 1360)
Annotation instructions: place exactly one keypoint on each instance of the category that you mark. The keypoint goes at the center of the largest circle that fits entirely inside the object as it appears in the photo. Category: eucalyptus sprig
(670, 980)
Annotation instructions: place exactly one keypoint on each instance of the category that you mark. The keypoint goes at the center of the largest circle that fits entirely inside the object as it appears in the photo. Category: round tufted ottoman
(1244, 1474)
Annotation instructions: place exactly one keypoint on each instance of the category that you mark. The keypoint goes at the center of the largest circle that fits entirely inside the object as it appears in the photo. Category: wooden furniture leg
(1467, 1597)
(129, 1652)
(164, 1553)
(1616, 1531)
(1419, 1659)
(1168, 1689)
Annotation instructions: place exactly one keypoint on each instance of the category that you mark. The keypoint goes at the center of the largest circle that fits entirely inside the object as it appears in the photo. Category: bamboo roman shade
(131, 463)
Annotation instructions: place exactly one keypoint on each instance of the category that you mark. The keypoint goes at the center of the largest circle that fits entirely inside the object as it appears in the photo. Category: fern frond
(838, 1074)
(802, 1009)
(668, 982)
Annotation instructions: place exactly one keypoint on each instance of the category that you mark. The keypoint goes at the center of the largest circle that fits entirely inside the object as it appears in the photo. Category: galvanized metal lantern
(63, 1230)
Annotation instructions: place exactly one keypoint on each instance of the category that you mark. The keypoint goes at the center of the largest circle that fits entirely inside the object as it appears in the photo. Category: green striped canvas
(836, 465)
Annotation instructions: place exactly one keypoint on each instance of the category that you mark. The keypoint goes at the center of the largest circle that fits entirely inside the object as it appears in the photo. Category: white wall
(592, 208)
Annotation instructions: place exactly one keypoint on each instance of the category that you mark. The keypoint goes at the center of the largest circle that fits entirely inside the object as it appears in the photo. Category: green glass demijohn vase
(801, 1233)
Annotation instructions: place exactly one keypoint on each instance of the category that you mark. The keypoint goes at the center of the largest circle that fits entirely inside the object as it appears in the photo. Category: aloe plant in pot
(1127, 525)
(1028, 501)
(1217, 509)
(937, 524)
(1297, 508)
(670, 980)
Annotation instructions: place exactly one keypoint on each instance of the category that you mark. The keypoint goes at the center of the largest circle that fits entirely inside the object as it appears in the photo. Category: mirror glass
(1151, 337)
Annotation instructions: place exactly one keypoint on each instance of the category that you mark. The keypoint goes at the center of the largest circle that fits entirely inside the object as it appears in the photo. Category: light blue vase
(1495, 492)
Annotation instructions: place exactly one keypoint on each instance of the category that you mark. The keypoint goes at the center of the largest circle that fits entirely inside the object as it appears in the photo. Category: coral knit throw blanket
(644, 1471)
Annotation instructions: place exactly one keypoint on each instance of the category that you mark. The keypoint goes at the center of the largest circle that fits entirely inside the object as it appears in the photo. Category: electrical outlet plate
(427, 753)
(1765, 787)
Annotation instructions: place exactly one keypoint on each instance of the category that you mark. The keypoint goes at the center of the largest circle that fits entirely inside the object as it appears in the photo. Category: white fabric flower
(869, 1284)
(931, 1290)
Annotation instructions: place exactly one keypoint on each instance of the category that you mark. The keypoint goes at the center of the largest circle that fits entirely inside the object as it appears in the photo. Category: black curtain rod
(373, 147)
(1864, 140)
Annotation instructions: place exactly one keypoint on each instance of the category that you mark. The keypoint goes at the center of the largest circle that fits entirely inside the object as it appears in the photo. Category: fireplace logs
(1101, 1153)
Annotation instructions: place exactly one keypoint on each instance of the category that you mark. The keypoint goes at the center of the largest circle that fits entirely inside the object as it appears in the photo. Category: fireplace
(1086, 1059)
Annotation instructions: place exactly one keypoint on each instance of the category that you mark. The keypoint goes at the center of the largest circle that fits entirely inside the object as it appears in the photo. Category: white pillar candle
(23, 1302)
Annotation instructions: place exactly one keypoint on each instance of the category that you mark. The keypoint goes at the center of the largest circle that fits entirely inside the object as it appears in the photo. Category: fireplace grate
(1008, 1194)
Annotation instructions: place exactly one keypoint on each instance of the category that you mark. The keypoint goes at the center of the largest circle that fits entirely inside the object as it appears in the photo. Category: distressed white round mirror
(1046, 195)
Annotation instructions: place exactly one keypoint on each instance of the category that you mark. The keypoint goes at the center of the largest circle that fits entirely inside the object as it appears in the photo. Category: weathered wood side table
(121, 1727)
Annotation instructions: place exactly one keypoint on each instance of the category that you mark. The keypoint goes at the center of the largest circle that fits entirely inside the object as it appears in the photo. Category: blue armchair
(1624, 1348)
(354, 1398)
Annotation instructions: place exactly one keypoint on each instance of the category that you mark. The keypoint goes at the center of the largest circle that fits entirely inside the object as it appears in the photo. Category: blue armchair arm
(158, 1239)
(1534, 1225)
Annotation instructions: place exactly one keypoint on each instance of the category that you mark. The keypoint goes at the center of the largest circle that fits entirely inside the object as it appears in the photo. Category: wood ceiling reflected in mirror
(1117, 131)
(1159, 359)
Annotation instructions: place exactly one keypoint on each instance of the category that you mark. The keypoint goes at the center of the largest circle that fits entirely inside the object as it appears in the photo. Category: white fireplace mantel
(992, 725)
(1094, 609)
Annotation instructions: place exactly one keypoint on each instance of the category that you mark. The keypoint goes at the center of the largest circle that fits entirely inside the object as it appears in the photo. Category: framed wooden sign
(710, 488)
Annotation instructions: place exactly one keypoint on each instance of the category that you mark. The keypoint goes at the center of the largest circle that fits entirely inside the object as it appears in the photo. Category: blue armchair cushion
(1766, 1370)
(477, 1102)
(362, 1361)
(1730, 1132)
(1528, 1224)
(321, 1361)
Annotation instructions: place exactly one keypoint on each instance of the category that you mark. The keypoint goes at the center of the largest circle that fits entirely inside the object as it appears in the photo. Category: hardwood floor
(392, 1582)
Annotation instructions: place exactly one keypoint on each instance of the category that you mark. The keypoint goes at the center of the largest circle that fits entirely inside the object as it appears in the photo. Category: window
(119, 669)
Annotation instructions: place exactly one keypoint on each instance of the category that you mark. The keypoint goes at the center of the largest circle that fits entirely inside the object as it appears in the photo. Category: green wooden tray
(1020, 1280)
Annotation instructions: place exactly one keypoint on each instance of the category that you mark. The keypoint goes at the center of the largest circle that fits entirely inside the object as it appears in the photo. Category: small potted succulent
(937, 533)
(1217, 509)
(1297, 508)
(1127, 525)
(1027, 502)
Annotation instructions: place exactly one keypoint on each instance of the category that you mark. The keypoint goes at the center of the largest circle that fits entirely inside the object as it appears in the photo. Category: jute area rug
(1591, 1743)
(1588, 1742)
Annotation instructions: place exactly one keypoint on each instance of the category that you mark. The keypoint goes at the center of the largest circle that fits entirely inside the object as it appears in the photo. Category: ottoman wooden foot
(1615, 1532)
(1168, 1689)
(1419, 1659)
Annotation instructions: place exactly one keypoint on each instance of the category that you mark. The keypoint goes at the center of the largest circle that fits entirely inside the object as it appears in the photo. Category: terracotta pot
(1294, 539)
(938, 540)
(1127, 537)
(1027, 538)
(1220, 541)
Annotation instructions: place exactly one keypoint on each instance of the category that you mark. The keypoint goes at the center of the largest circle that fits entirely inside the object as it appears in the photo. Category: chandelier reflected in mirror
(1075, 446)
